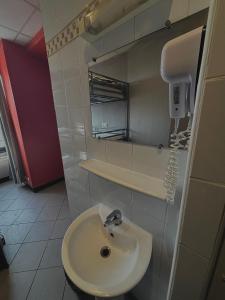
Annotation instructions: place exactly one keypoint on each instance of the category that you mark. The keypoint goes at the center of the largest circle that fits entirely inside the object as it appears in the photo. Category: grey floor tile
(37, 203)
(52, 255)
(15, 286)
(8, 217)
(64, 212)
(69, 294)
(48, 285)
(59, 188)
(54, 201)
(60, 228)
(10, 251)
(9, 195)
(40, 231)
(20, 203)
(5, 204)
(4, 229)
(28, 215)
(49, 213)
(17, 233)
(28, 257)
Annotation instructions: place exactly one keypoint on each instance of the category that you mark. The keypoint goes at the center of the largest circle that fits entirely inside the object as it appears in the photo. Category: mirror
(129, 99)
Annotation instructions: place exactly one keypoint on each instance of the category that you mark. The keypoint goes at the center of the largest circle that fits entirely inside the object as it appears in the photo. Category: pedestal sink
(105, 262)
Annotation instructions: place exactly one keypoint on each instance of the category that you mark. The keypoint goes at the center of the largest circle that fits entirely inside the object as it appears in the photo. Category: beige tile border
(71, 31)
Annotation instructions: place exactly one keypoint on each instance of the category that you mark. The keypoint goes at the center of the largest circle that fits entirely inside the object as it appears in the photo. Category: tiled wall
(69, 75)
(70, 85)
(204, 214)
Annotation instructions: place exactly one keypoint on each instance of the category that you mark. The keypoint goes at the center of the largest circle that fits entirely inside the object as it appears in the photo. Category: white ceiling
(20, 20)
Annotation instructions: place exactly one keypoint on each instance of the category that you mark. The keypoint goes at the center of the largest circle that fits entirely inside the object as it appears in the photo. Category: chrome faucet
(115, 218)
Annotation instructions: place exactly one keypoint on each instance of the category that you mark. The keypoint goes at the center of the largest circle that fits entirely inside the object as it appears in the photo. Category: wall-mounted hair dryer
(179, 65)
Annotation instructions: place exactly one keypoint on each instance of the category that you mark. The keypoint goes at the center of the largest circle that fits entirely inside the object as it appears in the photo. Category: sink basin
(105, 262)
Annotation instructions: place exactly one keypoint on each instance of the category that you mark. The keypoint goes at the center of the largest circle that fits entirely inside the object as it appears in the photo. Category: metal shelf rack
(118, 134)
(103, 90)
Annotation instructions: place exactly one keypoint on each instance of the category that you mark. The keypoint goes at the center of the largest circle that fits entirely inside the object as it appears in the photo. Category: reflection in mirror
(129, 99)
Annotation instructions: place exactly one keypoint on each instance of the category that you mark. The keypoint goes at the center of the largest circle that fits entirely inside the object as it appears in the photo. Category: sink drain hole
(105, 252)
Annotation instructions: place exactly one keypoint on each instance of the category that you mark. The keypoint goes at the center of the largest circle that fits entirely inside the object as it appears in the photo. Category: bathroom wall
(203, 219)
(69, 74)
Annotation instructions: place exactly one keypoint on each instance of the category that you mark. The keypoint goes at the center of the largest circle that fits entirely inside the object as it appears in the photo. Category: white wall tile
(72, 90)
(111, 194)
(190, 276)
(69, 56)
(197, 5)
(153, 206)
(66, 144)
(205, 205)
(77, 91)
(78, 176)
(179, 10)
(119, 153)
(54, 19)
(94, 50)
(79, 148)
(118, 37)
(87, 122)
(55, 67)
(62, 117)
(77, 120)
(78, 191)
(142, 218)
(216, 61)
(84, 87)
(96, 149)
(59, 97)
(209, 158)
(151, 20)
(150, 160)
(155, 262)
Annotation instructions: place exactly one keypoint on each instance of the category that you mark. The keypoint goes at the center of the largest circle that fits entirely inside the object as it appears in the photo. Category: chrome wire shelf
(104, 89)
(111, 134)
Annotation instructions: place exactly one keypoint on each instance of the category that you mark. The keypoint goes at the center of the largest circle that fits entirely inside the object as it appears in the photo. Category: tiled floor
(33, 225)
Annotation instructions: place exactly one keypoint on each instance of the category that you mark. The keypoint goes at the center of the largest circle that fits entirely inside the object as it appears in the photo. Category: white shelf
(148, 185)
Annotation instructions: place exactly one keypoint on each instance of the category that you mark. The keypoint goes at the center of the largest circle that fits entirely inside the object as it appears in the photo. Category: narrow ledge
(136, 181)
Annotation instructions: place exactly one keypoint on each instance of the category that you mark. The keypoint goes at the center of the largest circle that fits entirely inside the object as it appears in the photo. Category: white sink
(129, 253)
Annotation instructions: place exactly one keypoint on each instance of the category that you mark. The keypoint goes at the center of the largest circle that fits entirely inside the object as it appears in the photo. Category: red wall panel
(37, 45)
(29, 96)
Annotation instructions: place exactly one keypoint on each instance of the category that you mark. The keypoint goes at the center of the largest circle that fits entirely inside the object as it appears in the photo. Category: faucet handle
(115, 217)
(114, 214)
